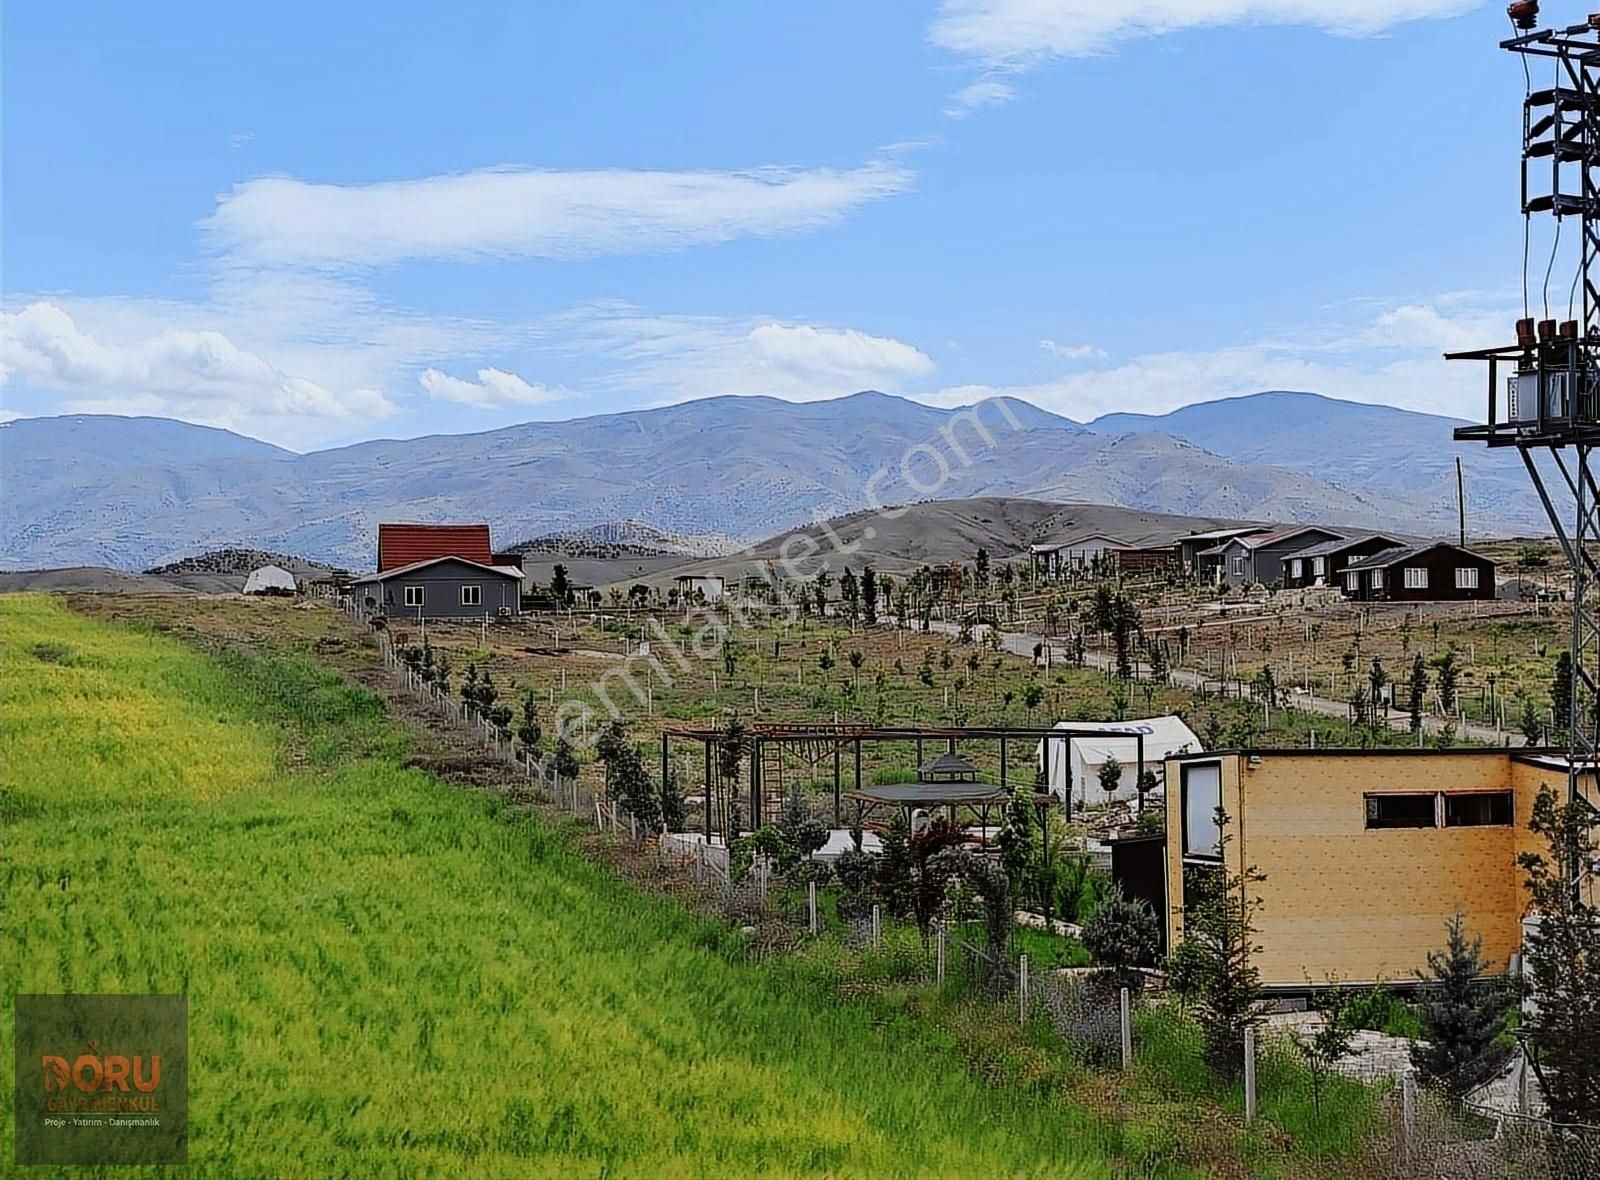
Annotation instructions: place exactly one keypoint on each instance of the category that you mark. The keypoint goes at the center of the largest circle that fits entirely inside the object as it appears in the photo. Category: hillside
(740, 467)
(1398, 454)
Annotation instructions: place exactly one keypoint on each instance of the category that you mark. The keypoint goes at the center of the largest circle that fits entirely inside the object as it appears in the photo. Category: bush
(1123, 937)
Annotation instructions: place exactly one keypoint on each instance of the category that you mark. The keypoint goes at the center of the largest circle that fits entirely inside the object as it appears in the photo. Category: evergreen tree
(798, 824)
(674, 817)
(1159, 671)
(850, 591)
(1222, 927)
(1110, 775)
(1463, 1016)
(1417, 686)
(1561, 695)
(894, 867)
(560, 586)
(1532, 728)
(855, 870)
(1122, 936)
(469, 686)
(1377, 678)
(564, 761)
(1017, 842)
(869, 596)
(1562, 956)
(1448, 681)
(528, 731)
(980, 568)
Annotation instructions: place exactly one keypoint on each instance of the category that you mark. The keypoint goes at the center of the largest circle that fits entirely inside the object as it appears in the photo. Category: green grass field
(389, 977)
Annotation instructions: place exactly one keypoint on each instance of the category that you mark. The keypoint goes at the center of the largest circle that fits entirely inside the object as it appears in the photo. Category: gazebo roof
(949, 767)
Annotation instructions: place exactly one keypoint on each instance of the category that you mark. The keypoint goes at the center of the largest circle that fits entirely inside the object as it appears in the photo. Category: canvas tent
(270, 579)
(1108, 740)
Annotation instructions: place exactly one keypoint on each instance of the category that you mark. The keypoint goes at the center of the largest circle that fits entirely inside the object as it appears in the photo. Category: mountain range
(134, 492)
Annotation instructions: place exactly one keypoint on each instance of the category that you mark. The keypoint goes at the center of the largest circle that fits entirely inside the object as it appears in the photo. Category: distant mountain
(1398, 455)
(741, 467)
(622, 539)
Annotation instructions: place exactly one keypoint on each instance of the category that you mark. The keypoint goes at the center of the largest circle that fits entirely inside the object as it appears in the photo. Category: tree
(529, 733)
(1562, 956)
(564, 760)
(855, 870)
(1448, 681)
(469, 686)
(800, 826)
(1463, 1016)
(1018, 848)
(1222, 926)
(1159, 672)
(1122, 935)
(1266, 685)
(990, 885)
(1332, 1040)
(1377, 678)
(1110, 775)
(1146, 784)
(980, 568)
(560, 586)
(850, 591)
(894, 867)
(1416, 688)
(929, 881)
(1561, 695)
(869, 596)
(1532, 728)
(856, 660)
(674, 817)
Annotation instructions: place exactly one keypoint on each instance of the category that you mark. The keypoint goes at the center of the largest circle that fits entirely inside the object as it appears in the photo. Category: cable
(1527, 220)
(1555, 244)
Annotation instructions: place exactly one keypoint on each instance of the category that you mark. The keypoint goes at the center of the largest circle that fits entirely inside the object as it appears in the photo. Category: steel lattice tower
(1549, 378)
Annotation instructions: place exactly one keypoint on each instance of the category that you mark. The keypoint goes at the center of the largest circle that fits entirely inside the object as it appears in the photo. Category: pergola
(946, 781)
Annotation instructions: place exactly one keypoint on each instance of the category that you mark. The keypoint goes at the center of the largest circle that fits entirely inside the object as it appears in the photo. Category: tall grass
(390, 978)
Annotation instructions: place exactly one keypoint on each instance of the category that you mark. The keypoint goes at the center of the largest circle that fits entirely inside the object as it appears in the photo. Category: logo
(102, 1079)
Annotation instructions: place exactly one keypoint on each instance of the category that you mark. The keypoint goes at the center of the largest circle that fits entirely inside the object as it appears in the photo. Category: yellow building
(1367, 853)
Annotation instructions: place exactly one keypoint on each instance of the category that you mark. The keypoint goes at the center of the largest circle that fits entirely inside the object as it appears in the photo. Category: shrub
(1123, 937)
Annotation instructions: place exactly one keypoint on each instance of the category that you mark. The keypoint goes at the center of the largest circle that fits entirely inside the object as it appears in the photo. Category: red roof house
(407, 544)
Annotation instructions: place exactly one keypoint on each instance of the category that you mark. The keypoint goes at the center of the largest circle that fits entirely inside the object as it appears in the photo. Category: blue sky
(320, 223)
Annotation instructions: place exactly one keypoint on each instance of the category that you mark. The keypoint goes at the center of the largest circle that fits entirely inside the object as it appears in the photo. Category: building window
(1479, 809)
(1466, 577)
(1295, 568)
(1416, 578)
(1238, 566)
(1377, 579)
(1352, 581)
(413, 595)
(1202, 796)
(1401, 811)
(1319, 566)
(472, 596)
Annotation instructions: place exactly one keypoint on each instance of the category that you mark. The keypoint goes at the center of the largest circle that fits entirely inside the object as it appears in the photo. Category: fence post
(811, 904)
(1022, 989)
(633, 823)
(1127, 1029)
(1249, 1074)
(877, 924)
(938, 956)
(1408, 1114)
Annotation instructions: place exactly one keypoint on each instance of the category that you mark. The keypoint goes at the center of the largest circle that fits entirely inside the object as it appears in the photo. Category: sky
(316, 224)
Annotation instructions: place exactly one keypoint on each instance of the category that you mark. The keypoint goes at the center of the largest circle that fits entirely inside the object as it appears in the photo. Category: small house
(1052, 559)
(1192, 546)
(438, 571)
(1134, 560)
(270, 579)
(1324, 564)
(1259, 557)
(1366, 854)
(1437, 572)
(708, 587)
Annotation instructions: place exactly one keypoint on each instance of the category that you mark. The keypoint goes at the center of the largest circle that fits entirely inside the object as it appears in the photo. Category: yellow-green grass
(389, 977)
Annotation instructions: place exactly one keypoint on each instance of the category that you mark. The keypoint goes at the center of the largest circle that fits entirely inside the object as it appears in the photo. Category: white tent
(1108, 740)
(270, 579)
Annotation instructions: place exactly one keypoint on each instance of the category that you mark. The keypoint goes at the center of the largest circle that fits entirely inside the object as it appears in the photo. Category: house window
(472, 595)
(1377, 579)
(1416, 578)
(1294, 568)
(1202, 796)
(1479, 809)
(413, 595)
(1238, 566)
(1319, 566)
(1352, 581)
(1466, 577)
(1401, 811)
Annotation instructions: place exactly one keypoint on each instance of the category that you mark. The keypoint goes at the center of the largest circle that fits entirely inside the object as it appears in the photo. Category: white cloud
(521, 213)
(1019, 33)
(493, 390)
(193, 373)
(678, 357)
(1074, 352)
(985, 92)
(1394, 358)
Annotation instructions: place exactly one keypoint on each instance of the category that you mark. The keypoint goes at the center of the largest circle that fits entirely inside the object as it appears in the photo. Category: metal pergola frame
(760, 735)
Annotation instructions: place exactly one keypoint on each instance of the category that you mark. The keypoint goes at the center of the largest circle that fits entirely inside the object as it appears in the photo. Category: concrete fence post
(811, 904)
(1249, 1074)
(938, 955)
(877, 924)
(1022, 989)
(1408, 1115)
(1126, 1019)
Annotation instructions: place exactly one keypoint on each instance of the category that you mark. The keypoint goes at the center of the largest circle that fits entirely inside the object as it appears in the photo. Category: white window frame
(1295, 567)
(471, 594)
(1466, 577)
(1352, 580)
(413, 596)
(1416, 577)
(1238, 565)
(1319, 566)
(1377, 579)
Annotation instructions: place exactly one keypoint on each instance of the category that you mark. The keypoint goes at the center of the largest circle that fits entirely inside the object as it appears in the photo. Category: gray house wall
(1265, 562)
(441, 585)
